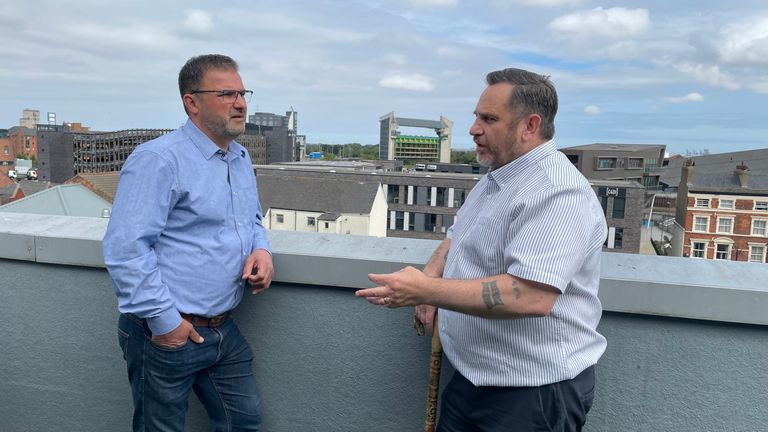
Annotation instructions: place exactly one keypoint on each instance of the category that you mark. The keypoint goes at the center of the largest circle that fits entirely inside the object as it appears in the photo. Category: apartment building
(633, 162)
(722, 216)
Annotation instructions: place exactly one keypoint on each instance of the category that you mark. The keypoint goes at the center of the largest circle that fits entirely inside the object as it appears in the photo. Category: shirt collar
(506, 173)
(207, 147)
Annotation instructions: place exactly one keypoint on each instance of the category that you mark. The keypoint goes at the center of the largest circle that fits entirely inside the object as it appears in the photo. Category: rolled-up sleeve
(146, 192)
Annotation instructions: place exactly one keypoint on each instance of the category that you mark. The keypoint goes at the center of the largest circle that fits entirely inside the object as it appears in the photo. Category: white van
(12, 174)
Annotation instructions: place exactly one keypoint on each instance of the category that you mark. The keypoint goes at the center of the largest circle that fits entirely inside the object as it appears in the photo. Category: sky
(690, 74)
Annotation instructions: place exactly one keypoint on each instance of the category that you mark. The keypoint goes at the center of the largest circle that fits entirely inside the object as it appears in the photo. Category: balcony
(687, 339)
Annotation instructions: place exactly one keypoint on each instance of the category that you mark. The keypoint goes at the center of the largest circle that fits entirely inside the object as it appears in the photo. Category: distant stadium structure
(395, 146)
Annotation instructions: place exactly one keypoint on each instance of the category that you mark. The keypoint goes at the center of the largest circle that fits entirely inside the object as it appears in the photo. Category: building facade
(633, 162)
(722, 217)
(393, 145)
(418, 205)
(622, 203)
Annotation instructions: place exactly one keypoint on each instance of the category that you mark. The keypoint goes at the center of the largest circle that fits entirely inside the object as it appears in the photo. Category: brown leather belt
(200, 321)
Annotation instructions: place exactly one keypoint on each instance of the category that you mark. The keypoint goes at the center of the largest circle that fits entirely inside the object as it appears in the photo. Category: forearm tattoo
(491, 295)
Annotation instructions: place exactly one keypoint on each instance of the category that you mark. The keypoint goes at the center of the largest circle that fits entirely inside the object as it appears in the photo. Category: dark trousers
(557, 407)
(218, 370)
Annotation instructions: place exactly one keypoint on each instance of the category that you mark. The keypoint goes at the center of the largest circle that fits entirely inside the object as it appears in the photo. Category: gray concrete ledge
(666, 286)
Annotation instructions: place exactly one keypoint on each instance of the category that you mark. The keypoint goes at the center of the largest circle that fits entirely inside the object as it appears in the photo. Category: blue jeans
(556, 407)
(218, 370)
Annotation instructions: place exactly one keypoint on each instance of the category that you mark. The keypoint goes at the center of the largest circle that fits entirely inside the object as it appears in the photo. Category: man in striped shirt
(516, 279)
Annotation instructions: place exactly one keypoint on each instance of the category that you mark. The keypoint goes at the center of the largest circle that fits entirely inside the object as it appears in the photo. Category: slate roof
(720, 163)
(316, 194)
(102, 184)
(31, 187)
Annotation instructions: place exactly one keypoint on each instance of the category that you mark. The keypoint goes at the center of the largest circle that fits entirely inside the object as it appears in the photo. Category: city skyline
(690, 75)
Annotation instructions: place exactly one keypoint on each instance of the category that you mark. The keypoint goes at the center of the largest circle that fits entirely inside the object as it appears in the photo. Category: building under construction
(394, 146)
(107, 151)
(103, 152)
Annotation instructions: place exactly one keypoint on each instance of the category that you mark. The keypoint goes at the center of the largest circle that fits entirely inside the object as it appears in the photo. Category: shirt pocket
(484, 245)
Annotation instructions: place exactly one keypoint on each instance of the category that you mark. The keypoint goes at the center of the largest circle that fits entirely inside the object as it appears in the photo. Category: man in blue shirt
(184, 238)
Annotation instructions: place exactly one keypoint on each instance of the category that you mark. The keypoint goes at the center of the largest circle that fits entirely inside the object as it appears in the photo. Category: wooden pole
(435, 362)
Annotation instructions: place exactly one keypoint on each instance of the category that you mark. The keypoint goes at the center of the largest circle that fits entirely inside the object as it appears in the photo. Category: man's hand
(178, 337)
(402, 288)
(426, 314)
(258, 270)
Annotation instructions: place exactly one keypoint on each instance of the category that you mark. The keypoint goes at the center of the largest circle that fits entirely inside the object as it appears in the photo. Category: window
(393, 194)
(399, 220)
(761, 205)
(6, 150)
(722, 251)
(702, 202)
(701, 223)
(756, 253)
(698, 250)
(725, 225)
(726, 204)
(759, 227)
(458, 197)
(618, 238)
(326, 225)
(606, 163)
(442, 196)
(618, 207)
(634, 163)
(604, 204)
(279, 218)
(310, 221)
(430, 222)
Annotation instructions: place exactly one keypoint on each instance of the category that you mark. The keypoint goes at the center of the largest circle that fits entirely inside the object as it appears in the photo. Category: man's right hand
(178, 337)
(426, 314)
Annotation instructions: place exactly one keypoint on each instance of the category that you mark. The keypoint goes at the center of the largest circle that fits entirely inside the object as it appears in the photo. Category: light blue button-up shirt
(185, 218)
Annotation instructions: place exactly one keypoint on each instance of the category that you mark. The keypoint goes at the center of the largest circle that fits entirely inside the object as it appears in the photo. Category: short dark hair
(532, 94)
(191, 74)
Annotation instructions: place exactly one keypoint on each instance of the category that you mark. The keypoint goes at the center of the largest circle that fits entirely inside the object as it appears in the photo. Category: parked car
(32, 174)
(12, 174)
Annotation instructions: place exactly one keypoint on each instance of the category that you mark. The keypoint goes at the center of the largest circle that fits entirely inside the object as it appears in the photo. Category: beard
(223, 128)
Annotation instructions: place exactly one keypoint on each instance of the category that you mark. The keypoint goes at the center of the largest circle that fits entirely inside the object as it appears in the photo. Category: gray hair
(191, 74)
(532, 94)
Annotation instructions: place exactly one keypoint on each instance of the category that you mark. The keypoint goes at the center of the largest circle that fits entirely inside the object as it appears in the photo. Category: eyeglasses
(228, 96)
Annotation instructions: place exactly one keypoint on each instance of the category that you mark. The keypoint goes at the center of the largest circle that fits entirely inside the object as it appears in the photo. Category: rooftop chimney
(743, 172)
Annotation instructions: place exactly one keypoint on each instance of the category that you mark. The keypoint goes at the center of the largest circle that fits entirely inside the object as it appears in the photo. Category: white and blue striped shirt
(535, 218)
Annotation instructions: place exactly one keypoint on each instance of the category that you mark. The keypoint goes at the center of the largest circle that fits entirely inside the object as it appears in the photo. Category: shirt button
(234, 193)
(239, 224)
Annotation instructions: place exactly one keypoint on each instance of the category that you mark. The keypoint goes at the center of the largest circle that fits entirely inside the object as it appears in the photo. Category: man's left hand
(258, 270)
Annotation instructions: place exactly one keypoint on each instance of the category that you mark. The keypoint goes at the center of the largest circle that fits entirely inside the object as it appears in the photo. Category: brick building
(722, 216)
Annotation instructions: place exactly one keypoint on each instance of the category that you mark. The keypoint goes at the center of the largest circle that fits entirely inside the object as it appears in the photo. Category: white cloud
(198, 21)
(414, 82)
(592, 109)
(690, 97)
(613, 23)
(709, 74)
(744, 43)
(435, 3)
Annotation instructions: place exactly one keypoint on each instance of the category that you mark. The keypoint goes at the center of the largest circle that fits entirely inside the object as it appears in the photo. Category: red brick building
(23, 141)
(724, 216)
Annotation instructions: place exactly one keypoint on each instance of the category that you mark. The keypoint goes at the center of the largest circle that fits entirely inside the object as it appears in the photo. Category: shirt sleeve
(551, 234)
(260, 240)
(146, 193)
